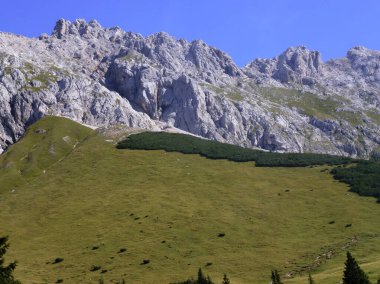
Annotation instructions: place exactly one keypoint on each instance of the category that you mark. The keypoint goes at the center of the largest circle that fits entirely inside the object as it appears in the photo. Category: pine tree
(275, 277)
(202, 279)
(353, 274)
(6, 276)
(311, 280)
(225, 279)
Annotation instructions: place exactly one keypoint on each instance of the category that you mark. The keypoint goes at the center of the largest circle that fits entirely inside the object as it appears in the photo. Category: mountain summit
(104, 76)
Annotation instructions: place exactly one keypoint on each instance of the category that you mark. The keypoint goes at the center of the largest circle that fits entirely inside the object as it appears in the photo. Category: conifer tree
(276, 277)
(202, 279)
(353, 274)
(311, 280)
(225, 279)
(6, 276)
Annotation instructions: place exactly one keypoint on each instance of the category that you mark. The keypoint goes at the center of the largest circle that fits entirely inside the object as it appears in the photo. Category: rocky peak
(205, 57)
(78, 27)
(61, 28)
(365, 62)
(360, 51)
(161, 38)
(302, 60)
(296, 63)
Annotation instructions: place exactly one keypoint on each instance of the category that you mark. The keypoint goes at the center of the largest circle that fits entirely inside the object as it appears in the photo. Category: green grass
(35, 153)
(374, 116)
(133, 56)
(100, 196)
(34, 73)
(44, 77)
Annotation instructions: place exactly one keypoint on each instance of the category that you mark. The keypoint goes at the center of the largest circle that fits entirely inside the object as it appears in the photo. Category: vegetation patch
(230, 93)
(58, 260)
(374, 116)
(133, 55)
(363, 178)
(187, 144)
(310, 104)
(122, 250)
(44, 78)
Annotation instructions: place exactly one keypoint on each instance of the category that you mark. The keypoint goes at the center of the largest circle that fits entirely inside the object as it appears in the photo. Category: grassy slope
(48, 141)
(94, 196)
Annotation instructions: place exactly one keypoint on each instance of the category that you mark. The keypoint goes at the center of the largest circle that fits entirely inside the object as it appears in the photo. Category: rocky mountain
(104, 76)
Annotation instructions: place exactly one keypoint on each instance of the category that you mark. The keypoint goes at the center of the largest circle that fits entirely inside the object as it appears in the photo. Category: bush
(95, 268)
(58, 260)
(145, 261)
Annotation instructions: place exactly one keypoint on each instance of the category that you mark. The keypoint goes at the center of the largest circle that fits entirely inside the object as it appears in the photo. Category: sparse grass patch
(133, 55)
(230, 93)
(310, 104)
(374, 116)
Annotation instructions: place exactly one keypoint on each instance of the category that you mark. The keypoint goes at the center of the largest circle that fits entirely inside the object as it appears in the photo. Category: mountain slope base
(170, 208)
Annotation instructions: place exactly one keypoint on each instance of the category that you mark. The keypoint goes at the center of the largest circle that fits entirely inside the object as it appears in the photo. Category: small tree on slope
(275, 277)
(225, 279)
(311, 280)
(353, 274)
(6, 276)
(202, 279)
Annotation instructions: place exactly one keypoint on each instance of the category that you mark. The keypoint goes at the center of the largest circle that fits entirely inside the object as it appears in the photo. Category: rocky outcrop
(295, 65)
(103, 76)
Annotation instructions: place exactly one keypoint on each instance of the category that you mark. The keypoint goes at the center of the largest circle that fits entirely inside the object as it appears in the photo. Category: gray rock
(104, 76)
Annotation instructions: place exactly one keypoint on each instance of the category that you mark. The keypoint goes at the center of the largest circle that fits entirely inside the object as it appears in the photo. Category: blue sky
(245, 29)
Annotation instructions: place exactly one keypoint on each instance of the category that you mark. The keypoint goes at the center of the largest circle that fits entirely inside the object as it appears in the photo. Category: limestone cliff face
(102, 76)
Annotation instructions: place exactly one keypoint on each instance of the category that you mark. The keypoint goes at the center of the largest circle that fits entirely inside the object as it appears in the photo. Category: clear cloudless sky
(245, 29)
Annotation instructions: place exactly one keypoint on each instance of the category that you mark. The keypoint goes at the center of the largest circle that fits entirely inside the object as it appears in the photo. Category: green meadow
(68, 193)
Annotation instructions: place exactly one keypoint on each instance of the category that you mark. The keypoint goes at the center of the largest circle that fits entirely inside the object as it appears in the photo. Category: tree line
(187, 144)
(352, 274)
